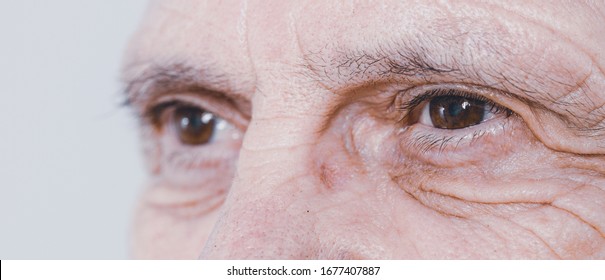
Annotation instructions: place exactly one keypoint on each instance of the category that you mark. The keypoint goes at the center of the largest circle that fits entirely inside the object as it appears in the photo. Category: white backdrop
(70, 165)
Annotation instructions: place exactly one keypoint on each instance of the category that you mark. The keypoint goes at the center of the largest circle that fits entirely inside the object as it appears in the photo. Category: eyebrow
(350, 67)
(413, 62)
(144, 81)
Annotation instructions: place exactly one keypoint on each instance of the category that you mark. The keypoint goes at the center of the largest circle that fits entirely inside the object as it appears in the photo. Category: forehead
(241, 37)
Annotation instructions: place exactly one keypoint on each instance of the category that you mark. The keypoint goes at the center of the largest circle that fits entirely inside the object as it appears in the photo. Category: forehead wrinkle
(561, 28)
(442, 33)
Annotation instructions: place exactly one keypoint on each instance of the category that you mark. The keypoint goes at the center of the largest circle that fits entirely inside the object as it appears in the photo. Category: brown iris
(453, 112)
(194, 126)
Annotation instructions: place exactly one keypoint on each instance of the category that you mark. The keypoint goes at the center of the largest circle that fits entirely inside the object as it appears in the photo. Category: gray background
(70, 164)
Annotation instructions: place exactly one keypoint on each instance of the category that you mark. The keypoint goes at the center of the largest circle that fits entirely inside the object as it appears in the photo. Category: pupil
(455, 109)
(453, 112)
(194, 125)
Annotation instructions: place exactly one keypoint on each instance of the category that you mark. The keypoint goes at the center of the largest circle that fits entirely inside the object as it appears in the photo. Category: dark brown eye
(193, 125)
(454, 112)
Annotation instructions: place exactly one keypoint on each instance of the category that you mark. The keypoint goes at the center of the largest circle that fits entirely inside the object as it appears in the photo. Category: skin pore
(319, 129)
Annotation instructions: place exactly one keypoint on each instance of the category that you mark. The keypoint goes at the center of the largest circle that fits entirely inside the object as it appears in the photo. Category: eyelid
(450, 147)
(411, 101)
(194, 163)
(220, 107)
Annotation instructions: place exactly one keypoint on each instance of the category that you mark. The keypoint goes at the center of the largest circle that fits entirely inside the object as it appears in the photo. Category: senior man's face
(371, 129)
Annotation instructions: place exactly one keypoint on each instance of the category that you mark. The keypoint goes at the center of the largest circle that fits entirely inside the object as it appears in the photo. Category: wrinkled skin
(319, 159)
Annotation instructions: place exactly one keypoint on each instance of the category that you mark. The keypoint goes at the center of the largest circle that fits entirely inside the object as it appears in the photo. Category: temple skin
(316, 162)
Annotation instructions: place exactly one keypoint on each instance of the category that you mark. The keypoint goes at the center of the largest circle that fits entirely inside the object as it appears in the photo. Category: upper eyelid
(409, 100)
(220, 107)
(419, 100)
(479, 91)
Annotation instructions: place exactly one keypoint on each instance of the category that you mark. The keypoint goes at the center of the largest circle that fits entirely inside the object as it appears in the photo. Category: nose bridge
(266, 214)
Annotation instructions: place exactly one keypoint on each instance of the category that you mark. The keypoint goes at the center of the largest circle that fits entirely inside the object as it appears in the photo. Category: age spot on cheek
(336, 172)
(327, 175)
(331, 168)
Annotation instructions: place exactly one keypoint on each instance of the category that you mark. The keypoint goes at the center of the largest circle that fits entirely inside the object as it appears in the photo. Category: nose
(268, 212)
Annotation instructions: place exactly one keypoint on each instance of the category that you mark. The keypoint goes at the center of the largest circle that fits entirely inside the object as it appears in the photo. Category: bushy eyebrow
(152, 78)
(585, 114)
(345, 67)
(143, 81)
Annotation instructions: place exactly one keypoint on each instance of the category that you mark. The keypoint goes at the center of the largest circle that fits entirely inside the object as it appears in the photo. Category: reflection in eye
(451, 112)
(441, 122)
(189, 124)
(452, 109)
(193, 125)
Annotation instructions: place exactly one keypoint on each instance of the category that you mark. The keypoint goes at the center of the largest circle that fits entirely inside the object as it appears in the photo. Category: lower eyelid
(445, 147)
(195, 163)
(185, 202)
(219, 108)
(201, 159)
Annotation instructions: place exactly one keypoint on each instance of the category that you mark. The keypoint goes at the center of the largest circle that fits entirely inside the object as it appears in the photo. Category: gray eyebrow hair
(151, 79)
(349, 67)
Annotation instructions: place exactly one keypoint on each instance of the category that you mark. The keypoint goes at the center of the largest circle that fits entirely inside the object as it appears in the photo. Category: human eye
(193, 142)
(454, 109)
(196, 138)
(191, 125)
(440, 121)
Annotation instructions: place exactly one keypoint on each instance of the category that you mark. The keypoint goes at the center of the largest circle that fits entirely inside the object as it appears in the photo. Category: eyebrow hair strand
(156, 79)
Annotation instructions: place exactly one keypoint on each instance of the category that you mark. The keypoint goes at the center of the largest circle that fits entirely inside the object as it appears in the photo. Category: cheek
(523, 202)
(173, 227)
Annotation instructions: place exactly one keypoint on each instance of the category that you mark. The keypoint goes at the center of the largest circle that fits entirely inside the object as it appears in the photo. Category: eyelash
(434, 138)
(153, 115)
(423, 139)
(189, 160)
(412, 105)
